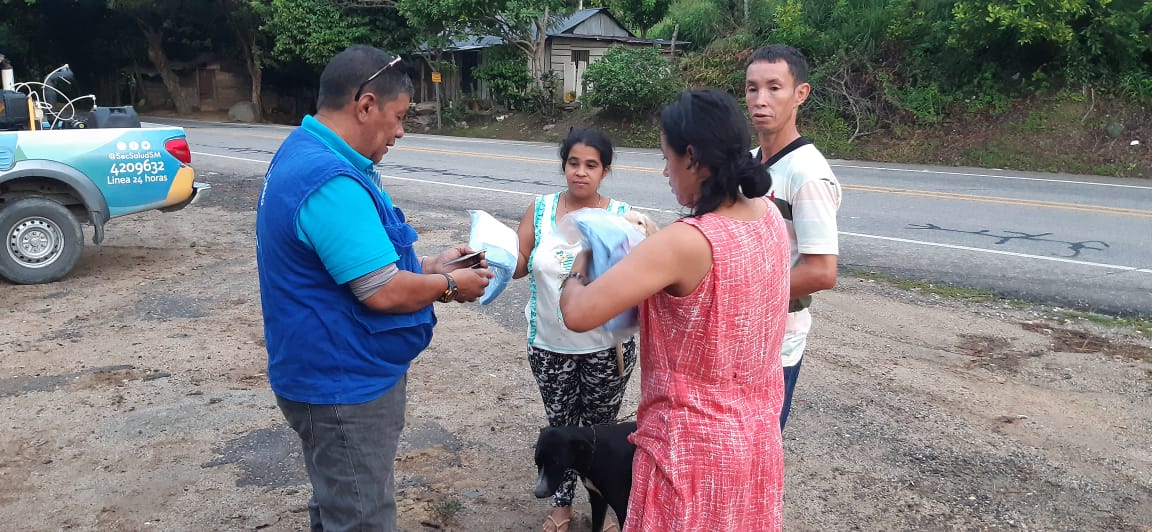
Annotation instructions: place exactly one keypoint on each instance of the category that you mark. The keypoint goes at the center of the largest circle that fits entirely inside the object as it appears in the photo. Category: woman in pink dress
(713, 296)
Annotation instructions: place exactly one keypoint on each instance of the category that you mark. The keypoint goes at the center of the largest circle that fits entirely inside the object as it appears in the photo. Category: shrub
(700, 22)
(630, 80)
(544, 98)
(1137, 85)
(507, 79)
(719, 65)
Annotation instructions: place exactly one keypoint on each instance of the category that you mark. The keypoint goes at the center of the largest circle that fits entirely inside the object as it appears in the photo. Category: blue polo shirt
(339, 204)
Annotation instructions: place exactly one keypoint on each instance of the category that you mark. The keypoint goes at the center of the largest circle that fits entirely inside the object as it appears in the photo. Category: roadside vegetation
(1140, 325)
(1046, 85)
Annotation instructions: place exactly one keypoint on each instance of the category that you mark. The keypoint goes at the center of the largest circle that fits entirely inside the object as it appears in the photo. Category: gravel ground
(137, 400)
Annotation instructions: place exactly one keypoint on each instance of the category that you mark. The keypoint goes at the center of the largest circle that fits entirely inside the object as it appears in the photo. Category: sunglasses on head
(360, 89)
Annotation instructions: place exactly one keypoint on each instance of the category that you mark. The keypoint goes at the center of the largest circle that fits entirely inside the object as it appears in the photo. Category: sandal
(562, 526)
(609, 527)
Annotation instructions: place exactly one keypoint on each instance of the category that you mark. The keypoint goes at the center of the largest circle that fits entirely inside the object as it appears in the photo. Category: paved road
(1078, 241)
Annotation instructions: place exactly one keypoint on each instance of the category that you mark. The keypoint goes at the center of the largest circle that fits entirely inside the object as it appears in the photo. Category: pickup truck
(52, 181)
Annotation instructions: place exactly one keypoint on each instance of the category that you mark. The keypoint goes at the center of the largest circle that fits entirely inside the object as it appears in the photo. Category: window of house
(580, 56)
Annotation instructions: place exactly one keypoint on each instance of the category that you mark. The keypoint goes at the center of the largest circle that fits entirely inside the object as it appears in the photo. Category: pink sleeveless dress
(708, 448)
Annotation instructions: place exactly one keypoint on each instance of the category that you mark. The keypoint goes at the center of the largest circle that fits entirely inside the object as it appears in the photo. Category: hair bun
(755, 181)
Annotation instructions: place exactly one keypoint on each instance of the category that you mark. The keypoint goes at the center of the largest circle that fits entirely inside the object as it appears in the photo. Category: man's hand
(437, 264)
(470, 283)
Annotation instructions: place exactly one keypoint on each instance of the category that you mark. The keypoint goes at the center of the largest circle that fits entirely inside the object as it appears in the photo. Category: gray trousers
(349, 451)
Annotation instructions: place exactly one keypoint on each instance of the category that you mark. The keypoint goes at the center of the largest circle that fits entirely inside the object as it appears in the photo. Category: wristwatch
(450, 292)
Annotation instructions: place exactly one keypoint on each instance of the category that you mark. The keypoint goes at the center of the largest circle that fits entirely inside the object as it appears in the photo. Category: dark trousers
(349, 452)
(791, 375)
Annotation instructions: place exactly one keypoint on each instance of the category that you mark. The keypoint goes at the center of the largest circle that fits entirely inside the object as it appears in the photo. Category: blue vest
(324, 345)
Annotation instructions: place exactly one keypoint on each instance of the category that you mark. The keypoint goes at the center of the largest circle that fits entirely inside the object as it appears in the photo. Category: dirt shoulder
(136, 399)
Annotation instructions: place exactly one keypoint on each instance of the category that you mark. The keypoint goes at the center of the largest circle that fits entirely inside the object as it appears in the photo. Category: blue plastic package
(610, 238)
(502, 247)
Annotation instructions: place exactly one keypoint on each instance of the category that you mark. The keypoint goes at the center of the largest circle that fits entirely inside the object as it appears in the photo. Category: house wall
(452, 81)
(560, 56)
(224, 90)
(153, 94)
(207, 88)
(567, 55)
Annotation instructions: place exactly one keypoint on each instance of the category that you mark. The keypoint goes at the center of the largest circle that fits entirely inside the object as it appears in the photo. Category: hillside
(1066, 132)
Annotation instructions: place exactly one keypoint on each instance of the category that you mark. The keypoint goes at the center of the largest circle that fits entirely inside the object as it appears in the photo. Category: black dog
(601, 454)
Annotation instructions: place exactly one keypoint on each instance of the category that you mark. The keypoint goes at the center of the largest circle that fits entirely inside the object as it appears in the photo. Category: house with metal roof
(572, 42)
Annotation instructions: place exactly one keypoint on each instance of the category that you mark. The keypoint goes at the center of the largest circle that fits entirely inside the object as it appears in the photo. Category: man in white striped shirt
(803, 188)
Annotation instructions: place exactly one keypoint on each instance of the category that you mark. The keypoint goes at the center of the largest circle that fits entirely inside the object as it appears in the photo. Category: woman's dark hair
(593, 138)
(348, 72)
(712, 123)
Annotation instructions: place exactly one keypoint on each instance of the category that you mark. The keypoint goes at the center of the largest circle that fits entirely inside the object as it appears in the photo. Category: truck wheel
(41, 241)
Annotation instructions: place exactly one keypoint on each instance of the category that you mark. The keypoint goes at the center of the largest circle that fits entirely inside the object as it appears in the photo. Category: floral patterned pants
(581, 390)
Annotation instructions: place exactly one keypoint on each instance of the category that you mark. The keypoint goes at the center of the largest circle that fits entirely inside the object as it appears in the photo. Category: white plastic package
(502, 248)
(610, 238)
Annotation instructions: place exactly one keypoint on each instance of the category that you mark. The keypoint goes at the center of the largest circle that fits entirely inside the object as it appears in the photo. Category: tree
(1029, 21)
(520, 23)
(17, 31)
(641, 14)
(1087, 40)
(506, 78)
(156, 20)
(244, 19)
(311, 31)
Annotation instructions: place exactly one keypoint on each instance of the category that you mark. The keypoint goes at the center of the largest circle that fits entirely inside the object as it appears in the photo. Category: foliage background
(947, 81)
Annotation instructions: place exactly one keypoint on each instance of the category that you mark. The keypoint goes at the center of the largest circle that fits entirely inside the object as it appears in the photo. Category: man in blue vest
(347, 304)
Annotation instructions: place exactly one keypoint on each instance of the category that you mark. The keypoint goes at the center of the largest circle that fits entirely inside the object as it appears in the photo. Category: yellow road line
(515, 158)
(861, 188)
(1004, 201)
(1099, 209)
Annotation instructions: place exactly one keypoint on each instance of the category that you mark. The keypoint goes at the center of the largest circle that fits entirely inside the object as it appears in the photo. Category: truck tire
(41, 241)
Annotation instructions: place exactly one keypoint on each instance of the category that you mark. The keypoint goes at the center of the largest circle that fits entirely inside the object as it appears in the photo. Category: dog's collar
(593, 442)
(591, 455)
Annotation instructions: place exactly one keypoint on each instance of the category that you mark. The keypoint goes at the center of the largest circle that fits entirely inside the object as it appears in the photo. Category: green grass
(636, 136)
(942, 290)
(1139, 324)
(444, 509)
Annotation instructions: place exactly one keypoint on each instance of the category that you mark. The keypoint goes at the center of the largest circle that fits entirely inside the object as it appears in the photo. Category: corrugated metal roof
(559, 28)
(476, 43)
(571, 21)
